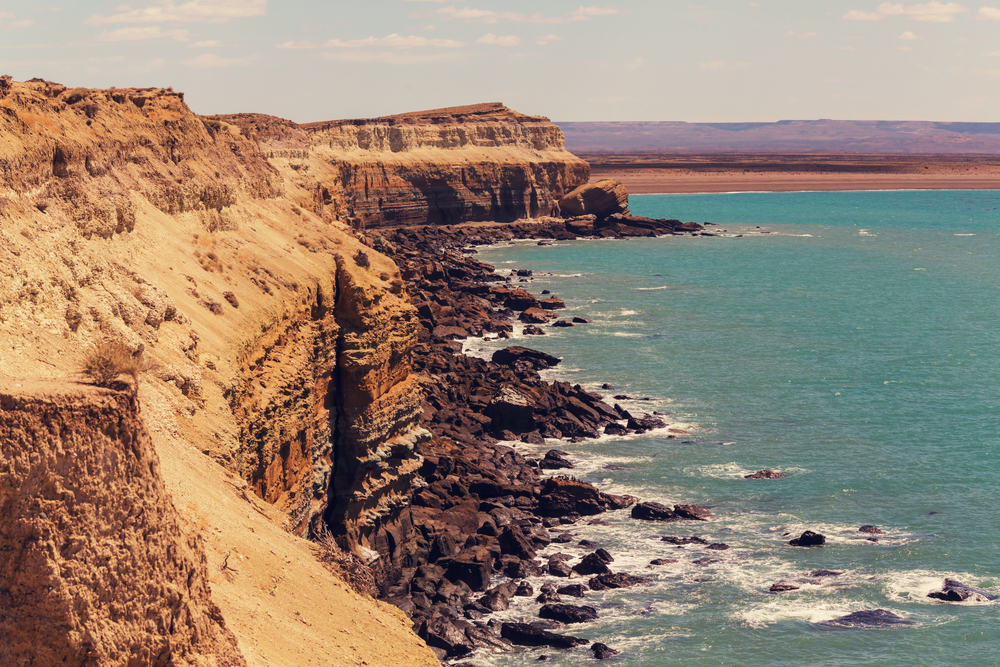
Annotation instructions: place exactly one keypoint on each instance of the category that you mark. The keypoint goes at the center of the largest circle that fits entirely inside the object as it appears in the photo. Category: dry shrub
(106, 360)
(344, 565)
(361, 259)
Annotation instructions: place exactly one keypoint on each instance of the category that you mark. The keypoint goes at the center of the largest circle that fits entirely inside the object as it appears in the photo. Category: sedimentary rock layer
(461, 164)
(275, 343)
(96, 569)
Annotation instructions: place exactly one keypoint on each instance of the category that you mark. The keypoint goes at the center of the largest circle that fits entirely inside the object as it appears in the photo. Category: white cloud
(297, 45)
(858, 15)
(210, 60)
(5, 15)
(910, 35)
(490, 16)
(136, 34)
(990, 13)
(193, 11)
(994, 53)
(499, 40)
(933, 11)
(545, 39)
(27, 23)
(395, 41)
(392, 41)
(205, 44)
(389, 57)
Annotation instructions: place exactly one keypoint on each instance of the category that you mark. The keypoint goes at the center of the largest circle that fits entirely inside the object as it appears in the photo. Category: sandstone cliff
(462, 164)
(96, 568)
(276, 346)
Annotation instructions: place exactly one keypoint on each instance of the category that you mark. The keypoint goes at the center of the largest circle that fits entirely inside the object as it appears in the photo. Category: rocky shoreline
(487, 511)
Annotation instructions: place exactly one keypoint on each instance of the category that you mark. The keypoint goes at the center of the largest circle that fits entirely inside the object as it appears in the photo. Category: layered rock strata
(275, 344)
(96, 569)
(462, 164)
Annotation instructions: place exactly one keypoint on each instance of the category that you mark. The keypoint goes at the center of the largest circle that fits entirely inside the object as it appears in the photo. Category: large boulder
(560, 497)
(601, 199)
(511, 411)
(509, 356)
(568, 613)
(527, 635)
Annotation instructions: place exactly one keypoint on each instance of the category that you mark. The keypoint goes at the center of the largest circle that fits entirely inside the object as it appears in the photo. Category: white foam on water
(651, 289)
(626, 334)
(964, 234)
(787, 608)
(731, 470)
(914, 585)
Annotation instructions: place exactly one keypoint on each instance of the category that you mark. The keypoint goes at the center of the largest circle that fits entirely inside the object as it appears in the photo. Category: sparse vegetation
(346, 566)
(104, 362)
(361, 259)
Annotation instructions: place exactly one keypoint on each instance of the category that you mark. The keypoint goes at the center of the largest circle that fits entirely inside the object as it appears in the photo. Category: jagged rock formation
(462, 164)
(96, 569)
(599, 199)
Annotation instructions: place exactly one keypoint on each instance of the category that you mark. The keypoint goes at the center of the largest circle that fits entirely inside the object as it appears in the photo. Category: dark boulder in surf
(603, 582)
(765, 474)
(568, 613)
(782, 587)
(602, 651)
(956, 591)
(871, 530)
(526, 635)
(808, 539)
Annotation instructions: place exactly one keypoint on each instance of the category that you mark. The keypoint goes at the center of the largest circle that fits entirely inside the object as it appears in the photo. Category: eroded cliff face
(96, 568)
(276, 345)
(461, 164)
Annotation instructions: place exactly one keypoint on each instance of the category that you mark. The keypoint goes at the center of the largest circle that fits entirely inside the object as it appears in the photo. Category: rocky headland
(297, 341)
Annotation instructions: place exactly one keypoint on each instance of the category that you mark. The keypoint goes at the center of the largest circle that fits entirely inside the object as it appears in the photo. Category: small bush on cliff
(106, 360)
(345, 566)
(361, 259)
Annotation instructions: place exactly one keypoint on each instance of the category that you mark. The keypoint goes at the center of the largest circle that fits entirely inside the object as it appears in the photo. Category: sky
(620, 60)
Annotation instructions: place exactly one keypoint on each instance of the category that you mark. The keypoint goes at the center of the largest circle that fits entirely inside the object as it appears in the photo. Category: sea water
(850, 340)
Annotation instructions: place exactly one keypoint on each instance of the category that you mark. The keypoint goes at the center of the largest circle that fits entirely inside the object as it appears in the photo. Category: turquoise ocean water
(848, 339)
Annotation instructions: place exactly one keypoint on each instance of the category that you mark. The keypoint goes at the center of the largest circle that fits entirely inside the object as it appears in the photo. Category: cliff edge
(96, 566)
(474, 163)
(276, 346)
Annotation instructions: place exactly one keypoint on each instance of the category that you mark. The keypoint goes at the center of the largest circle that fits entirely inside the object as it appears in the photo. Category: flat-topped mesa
(474, 163)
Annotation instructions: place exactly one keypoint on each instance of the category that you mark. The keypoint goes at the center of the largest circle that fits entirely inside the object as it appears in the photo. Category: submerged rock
(871, 530)
(782, 587)
(875, 618)
(765, 474)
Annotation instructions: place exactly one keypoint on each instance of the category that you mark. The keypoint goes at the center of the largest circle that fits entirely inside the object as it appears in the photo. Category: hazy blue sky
(617, 60)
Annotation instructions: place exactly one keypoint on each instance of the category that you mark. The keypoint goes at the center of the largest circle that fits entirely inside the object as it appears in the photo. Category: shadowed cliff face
(462, 164)
(96, 568)
(273, 346)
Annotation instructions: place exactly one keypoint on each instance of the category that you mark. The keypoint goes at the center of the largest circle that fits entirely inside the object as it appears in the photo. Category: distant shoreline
(657, 173)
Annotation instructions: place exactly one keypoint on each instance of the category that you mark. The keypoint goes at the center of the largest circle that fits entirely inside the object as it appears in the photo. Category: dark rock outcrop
(567, 613)
(875, 618)
(808, 539)
(956, 591)
(524, 634)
